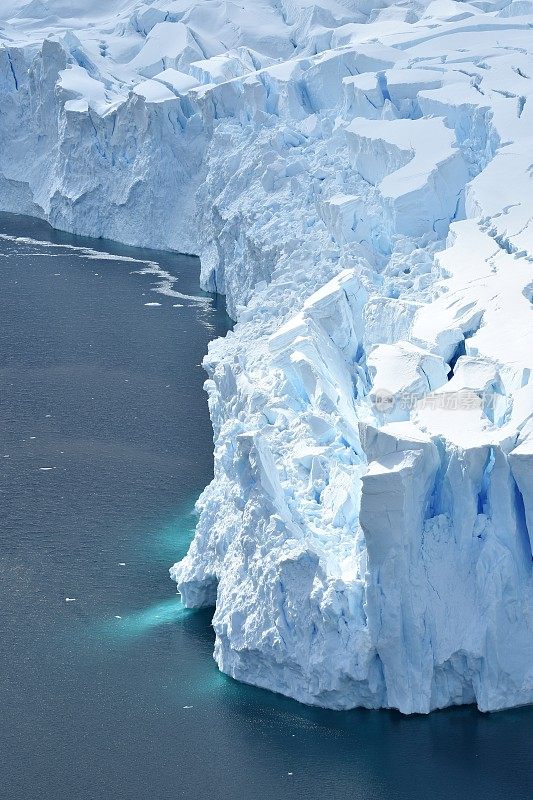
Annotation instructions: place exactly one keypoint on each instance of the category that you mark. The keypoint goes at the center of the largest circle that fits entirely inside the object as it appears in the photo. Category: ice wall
(356, 177)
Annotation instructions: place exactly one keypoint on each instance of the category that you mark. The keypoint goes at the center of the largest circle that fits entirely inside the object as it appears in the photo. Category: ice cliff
(357, 178)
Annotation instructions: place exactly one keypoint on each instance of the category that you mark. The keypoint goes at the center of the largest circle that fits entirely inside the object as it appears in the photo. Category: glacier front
(356, 177)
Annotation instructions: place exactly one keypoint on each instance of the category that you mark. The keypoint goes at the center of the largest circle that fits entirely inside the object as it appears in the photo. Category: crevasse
(356, 180)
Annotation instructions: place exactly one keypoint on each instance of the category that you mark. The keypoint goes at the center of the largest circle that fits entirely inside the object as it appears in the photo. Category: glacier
(356, 177)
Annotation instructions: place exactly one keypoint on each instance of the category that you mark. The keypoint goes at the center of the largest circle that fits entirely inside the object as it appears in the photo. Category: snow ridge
(356, 178)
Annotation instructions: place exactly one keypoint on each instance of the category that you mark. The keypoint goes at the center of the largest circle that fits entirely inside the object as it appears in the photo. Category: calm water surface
(113, 694)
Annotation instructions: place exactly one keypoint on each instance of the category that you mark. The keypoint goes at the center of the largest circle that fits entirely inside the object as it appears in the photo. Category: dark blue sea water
(113, 695)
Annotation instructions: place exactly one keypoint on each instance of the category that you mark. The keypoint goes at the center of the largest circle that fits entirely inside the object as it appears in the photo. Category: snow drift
(356, 177)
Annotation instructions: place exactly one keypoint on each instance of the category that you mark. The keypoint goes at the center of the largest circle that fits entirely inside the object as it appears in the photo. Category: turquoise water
(114, 695)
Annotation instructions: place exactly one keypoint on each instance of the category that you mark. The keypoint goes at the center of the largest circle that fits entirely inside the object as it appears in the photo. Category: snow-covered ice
(356, 177)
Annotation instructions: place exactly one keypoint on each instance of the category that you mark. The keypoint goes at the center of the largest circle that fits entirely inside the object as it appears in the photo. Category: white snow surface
(357, 178)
